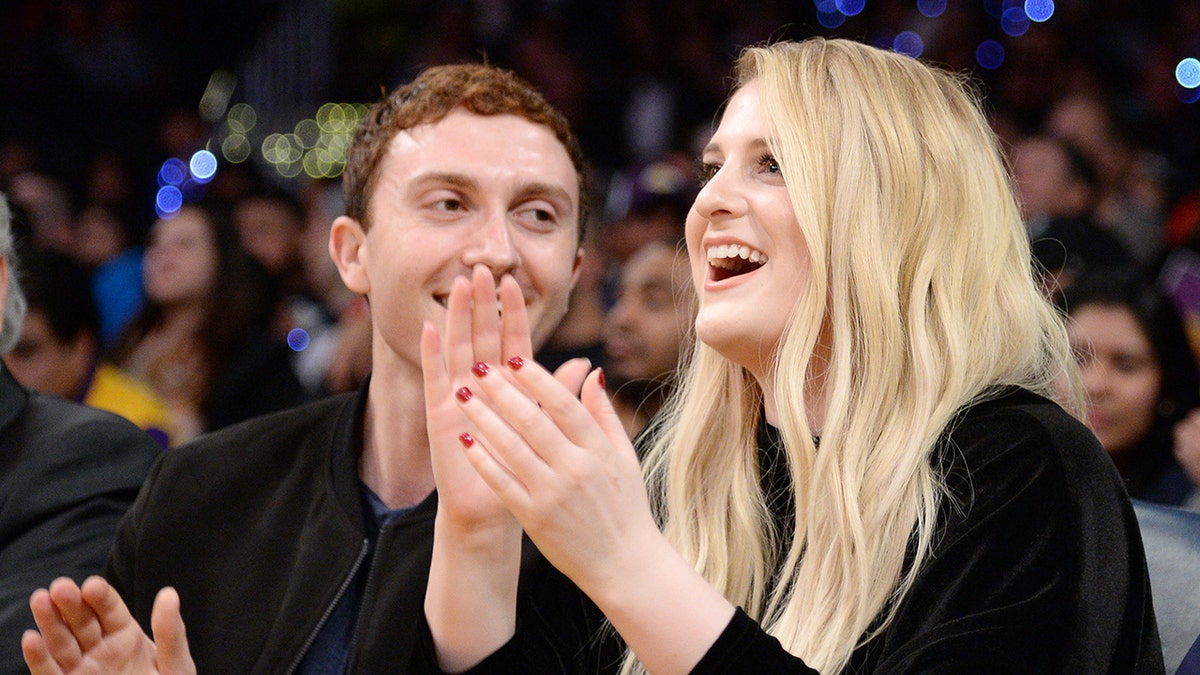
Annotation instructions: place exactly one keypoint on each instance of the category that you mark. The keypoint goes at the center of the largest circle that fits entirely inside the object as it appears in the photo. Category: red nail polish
(463, 394)
(480, 369)
(516, 362)
(600, 377)
(466, 439)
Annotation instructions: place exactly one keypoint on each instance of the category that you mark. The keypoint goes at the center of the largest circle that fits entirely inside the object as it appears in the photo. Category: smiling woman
(864, 277)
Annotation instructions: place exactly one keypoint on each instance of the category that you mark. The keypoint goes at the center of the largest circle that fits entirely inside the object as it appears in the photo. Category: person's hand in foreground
(89, 629)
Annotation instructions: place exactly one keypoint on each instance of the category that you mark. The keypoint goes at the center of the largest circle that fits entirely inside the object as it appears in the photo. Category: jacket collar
(13, 398)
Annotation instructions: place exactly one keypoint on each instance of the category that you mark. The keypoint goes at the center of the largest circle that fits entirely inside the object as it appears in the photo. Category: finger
(458, 351)
(497, 430)
(170, 635)
(598, 404)
(433, 368)
(507, 485)
(516, 340)
(37, 656)
(80, 618)
(559, 412)
(106, 605)
(485, 317)
(572, 373)
(57, 637)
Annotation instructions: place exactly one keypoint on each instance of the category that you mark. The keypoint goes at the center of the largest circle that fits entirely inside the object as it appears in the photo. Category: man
(59, 349)
(67, 475)
(646, 330)
(301, 542)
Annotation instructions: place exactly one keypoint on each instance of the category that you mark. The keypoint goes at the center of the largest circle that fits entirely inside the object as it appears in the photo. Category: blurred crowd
(191, 318)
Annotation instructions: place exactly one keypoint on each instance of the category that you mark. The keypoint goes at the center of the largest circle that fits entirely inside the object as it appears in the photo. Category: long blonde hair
(923, 289)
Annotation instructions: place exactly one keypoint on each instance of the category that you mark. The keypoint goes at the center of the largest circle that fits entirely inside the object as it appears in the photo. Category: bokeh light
(297, 339)
(172, 172)
(908, 42)
(241, 118)
(1014, 21)
(1039, 10)
(168, 200)
(828, 14)
(236, 148)
(989, 54)
(203, 166)
(931, 8)
(1186, 95)
(851, 7)
(1187, 73)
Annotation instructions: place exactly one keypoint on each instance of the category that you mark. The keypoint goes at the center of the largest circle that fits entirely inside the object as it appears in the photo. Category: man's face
(497, 191)
(44, 363)
(646, 328)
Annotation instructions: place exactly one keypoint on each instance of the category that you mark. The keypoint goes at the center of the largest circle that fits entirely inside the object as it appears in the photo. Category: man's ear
(577, 267)
(348, 248)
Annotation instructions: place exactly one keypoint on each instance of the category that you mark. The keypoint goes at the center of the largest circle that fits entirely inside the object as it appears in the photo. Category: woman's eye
(768, 163)
(705, 171)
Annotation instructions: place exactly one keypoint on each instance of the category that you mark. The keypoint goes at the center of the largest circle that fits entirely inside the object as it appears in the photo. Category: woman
(862, 470)
(1139, 375)
(201, 340)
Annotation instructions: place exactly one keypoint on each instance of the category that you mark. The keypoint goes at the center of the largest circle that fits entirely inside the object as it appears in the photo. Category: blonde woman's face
(749, 260)
(1120, 372)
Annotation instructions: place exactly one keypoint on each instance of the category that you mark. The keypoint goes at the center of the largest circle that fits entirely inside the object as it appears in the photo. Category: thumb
(170, 637)
(572, 373)
(595, 399)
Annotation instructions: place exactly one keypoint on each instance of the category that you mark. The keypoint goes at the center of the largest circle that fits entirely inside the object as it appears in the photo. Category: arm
(566, 470)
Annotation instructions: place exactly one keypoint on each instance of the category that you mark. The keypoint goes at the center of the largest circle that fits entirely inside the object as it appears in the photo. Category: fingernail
(466, 439)
(480, 369)
(463, 394)
(516, 362)
(600, 377)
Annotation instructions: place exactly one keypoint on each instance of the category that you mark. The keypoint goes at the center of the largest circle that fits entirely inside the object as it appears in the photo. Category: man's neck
(395, 461)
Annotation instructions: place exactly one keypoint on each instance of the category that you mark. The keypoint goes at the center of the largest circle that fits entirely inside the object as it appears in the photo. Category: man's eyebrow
(445, 178)
(548, 191)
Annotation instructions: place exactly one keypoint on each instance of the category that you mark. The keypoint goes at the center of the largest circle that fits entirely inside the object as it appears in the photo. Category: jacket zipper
(312, 637)
(358, 620)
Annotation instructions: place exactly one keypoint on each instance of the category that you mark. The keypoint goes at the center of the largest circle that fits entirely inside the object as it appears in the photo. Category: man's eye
(449, 205)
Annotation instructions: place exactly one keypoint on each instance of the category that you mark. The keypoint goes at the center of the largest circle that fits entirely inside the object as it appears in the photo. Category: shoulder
(1018, 429)
(272, 441)
(80, 443)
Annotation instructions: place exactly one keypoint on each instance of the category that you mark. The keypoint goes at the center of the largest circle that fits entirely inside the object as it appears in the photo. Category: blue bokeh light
(990, 54)
(1187, 73)
(297, 339)
(1014, 22)
(172, 172)
(203, 166)
(994, 8)
(908, 42)
(851, 7)
(168, 199)
(1186, 95)
(1039, 10)
(931, 8)
(828, 14)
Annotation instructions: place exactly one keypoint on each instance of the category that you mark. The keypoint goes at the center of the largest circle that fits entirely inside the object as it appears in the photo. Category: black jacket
(260, 526)
(67, 474)
(1037, 566)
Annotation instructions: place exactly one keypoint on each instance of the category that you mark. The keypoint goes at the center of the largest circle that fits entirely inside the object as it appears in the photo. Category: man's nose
(492, 245)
